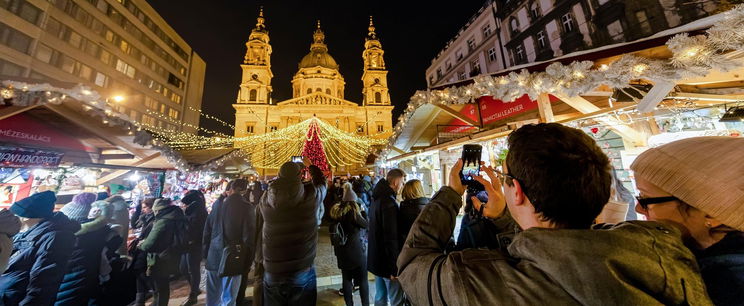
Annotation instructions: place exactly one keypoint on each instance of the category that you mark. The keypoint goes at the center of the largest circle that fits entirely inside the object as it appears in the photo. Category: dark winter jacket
(139, 257)
(81, 281)
(38, 262)
(254, 193)
(212, 242)
(196, 216)
(631, 263)
(408, 211)
(162, 259)
(289, 225)
(351, 255)
(722, 266)
(384, 239)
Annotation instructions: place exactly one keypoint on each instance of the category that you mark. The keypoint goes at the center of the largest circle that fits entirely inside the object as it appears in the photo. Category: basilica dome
(318, 57)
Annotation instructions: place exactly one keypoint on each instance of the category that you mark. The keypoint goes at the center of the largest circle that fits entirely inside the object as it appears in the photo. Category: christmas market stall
(69, 139)
(683, 82)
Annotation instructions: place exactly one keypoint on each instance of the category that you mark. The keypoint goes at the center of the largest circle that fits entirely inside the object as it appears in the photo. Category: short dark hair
(562, 171)
(239, 184)
(394, 174)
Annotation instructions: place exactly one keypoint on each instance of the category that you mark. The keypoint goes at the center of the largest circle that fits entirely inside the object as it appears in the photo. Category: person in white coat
(9, 226)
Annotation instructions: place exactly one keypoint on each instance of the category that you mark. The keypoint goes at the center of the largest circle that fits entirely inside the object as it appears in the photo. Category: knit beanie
(289, 170)
(704, 172)
(39, 205)
(102, 196)
(349, 194)
(79, 208)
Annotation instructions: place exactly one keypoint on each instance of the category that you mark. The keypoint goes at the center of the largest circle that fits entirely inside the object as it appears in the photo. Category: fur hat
(39, 205)
(704, 172)
(161, 203)
(349, 194)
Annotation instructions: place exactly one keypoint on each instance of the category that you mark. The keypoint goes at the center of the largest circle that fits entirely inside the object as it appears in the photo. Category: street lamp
(118, 98)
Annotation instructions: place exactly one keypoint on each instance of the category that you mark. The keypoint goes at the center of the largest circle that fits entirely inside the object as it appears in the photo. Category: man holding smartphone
(556, 181)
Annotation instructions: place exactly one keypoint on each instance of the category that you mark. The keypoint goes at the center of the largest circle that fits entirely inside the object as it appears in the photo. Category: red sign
(493, 110)
(23, 129)
(20, 157)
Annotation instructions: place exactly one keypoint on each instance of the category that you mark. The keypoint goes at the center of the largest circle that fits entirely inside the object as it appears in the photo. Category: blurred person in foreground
(556, 182)
(698, 185)
(287, 233)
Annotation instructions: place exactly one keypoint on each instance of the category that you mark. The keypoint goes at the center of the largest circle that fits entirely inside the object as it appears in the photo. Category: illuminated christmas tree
(313, 148)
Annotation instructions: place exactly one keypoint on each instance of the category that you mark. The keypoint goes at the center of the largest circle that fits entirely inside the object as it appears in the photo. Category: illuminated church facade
(317, 87)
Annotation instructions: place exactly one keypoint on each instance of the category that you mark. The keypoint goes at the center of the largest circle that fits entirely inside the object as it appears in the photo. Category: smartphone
(296, 159)
(471, 155)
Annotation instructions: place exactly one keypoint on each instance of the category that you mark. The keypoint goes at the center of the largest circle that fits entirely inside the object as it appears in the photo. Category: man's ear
(517, 194)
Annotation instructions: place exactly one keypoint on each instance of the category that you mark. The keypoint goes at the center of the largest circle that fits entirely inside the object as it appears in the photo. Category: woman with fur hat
(697, 184)
(351, 257)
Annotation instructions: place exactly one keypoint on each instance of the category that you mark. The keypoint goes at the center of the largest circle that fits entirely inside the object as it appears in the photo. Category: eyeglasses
(645, 202)
(503, 176)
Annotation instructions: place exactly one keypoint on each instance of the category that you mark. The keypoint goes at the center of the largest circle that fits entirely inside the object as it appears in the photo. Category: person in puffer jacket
(82, 279)
(40, 252)
(9, 226)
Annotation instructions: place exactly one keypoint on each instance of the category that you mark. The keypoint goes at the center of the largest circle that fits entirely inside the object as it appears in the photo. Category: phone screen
(471, 162)
(296, 159)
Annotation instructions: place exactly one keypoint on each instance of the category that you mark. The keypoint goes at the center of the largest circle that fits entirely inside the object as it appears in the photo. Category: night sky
(411, 33)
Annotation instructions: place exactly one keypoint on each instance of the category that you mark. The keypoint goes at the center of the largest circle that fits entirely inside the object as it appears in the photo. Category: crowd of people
(551, 227)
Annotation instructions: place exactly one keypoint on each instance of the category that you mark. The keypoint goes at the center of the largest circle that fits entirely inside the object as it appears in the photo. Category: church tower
(374, 78)
(255, 88)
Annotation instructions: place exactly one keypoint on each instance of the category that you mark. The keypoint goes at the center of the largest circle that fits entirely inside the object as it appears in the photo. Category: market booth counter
(49, 140)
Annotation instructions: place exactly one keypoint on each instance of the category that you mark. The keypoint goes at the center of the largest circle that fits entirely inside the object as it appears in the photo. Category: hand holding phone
(471, 166)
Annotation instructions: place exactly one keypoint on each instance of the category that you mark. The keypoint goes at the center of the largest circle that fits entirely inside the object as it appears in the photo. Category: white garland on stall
(692, 56)
(27, 94)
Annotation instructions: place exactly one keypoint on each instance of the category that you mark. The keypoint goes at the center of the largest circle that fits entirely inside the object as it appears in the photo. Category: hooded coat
(38, 262)
(631, 263)
(196, 216)
(162, 259)
(409, 211)
(722, 266)
(351, 255)
(288, 225)
(81, 282)
(384, 240)
(9, 226)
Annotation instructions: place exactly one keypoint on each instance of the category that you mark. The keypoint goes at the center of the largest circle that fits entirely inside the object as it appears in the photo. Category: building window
(378, 97)
(615, 30)
(150, 103)
(309, 90)
(431, 79)
(448, 65)
(360, 128)
(519, 54)
(44, 53)
(133, 115)
(380, 128)
(567, 23)
(125, 68)
(487, 30)
(318, 90)
(534, 10)
(439, 73)
(249, 129)
(162, 108)
(461, 75)
(8, 68)
(173, 113)
(514, 24)
(252, 95)
(542, 41)
(328, 91)
(75, 39)
(273, 128)
(643, 22)
(23, 9)
(14, 39)
(492, 54)
(147, 120)
(471, 44)
(101, 79)
(474, 68)
(458, 55)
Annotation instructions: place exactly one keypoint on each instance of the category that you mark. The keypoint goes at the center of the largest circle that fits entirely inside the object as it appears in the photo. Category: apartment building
(121, 48)
(538, 30)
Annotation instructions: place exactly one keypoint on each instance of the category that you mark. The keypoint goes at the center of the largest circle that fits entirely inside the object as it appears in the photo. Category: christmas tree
(313, 148)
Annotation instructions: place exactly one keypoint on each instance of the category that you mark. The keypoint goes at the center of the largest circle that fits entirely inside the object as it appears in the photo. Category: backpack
(181, 240)
(338, 236)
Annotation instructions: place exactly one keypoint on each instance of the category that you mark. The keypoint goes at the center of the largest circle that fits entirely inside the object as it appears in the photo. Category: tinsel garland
(692, 56)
